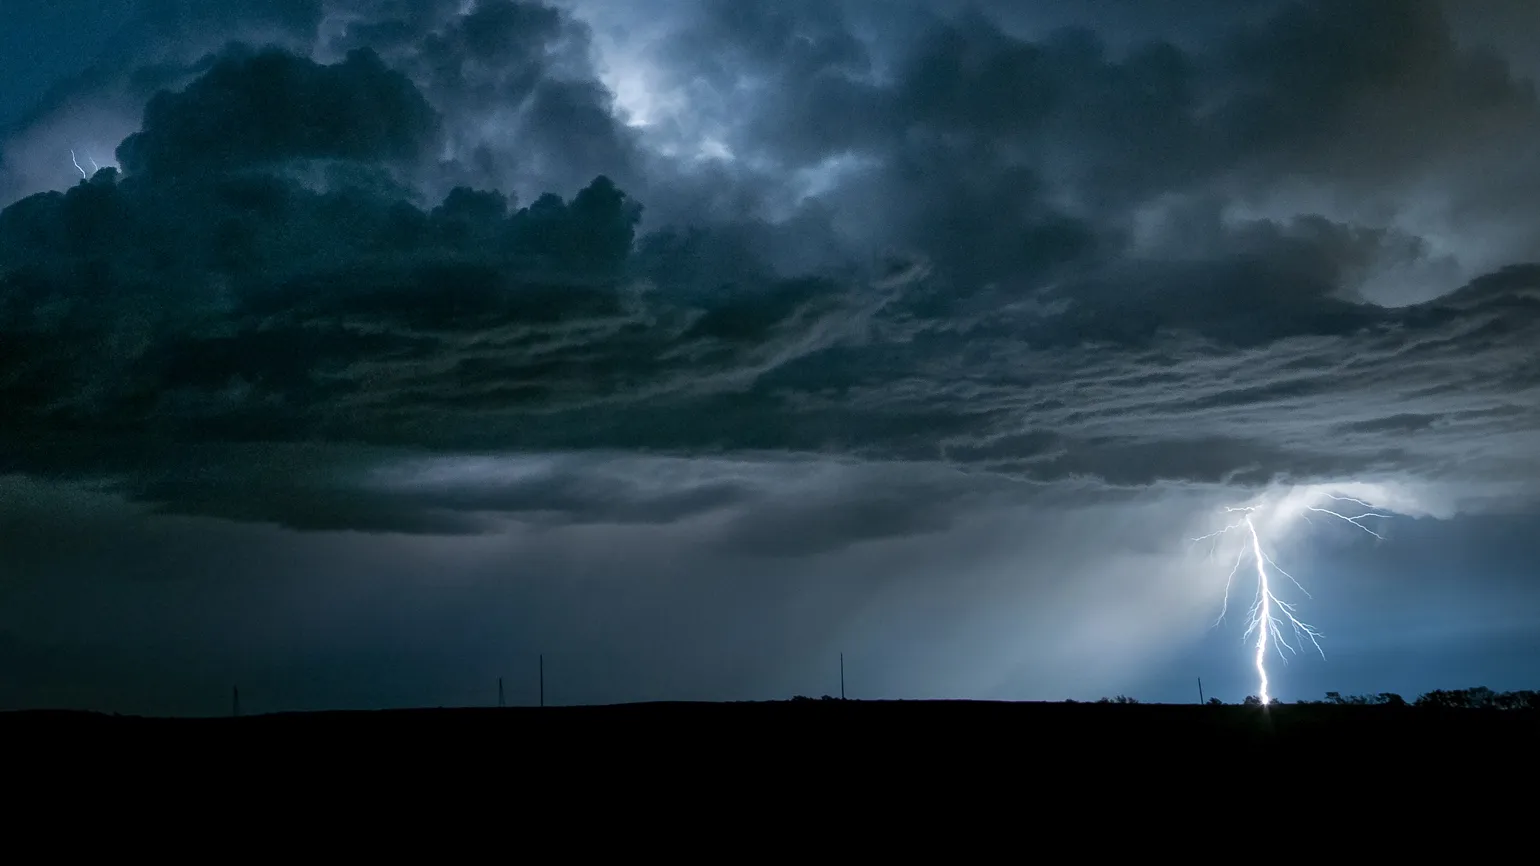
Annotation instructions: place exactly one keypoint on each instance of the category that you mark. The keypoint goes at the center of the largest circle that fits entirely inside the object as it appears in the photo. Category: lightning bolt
(77, 165)
(1271, 618)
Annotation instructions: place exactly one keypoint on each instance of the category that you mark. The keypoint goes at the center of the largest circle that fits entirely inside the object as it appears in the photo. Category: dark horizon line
(1436, 699)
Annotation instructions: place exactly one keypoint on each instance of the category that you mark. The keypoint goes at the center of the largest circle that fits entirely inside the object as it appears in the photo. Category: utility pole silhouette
(235, 702)
(1200, 690)
(500, 692)
(842, 676)
(542, 679)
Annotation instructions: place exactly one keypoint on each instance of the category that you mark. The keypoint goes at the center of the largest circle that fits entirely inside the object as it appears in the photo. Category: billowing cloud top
(273, 107)
(1292, 244)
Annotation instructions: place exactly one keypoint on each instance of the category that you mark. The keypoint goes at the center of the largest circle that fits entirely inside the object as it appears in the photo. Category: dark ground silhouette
(879, 772)
(1460, 719)
(806, 764)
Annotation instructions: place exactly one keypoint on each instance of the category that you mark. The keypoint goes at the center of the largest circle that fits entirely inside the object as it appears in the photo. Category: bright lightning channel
(80, 168)
(1269, 614)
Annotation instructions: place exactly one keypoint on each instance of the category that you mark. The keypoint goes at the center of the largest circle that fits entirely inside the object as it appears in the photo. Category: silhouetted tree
(1443, 699)
(1520, 700)
(1381, 699)
(1481, 698)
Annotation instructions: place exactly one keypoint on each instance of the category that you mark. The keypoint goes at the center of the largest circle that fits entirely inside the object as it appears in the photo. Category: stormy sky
(357, 352)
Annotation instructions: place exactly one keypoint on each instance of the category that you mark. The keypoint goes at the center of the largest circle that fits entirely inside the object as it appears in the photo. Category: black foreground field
(665, 767)
(933, 779)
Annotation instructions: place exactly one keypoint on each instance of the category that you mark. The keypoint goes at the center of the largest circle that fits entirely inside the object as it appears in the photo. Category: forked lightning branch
(1272, 620)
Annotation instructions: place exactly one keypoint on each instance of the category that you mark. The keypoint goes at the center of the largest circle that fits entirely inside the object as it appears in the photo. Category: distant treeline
(1478, 698)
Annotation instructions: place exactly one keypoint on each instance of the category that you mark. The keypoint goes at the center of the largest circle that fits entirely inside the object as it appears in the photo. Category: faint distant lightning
(85, 175)
(1269, 614)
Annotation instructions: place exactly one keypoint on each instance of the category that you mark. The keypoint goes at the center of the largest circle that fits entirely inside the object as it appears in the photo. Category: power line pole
(1200, 690)
(500, 692)
(235, 702)
(542, 679)
(842, 676)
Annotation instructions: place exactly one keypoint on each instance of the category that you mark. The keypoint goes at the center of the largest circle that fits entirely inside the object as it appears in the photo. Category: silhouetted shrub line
(1478, 698)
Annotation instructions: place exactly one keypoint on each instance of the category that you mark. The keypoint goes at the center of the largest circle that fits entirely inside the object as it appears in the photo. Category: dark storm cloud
(152, 40)
(273, 107)
(346, 489)
(1080, 298)
(923, 503)
(1007, 157)
(513, 79)
(149, 46)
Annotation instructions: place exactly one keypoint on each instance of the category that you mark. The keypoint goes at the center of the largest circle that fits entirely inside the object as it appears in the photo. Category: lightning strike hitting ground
(1269, 614)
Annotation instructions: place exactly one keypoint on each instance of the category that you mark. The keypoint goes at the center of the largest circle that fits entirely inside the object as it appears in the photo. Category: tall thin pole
(500, 692)
(542, 679)
(235, 701)
(1200, 690)
(842, 676)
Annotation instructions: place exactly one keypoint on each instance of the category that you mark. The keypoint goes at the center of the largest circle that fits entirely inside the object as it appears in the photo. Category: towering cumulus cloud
(270, 107)
(1011, 244)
